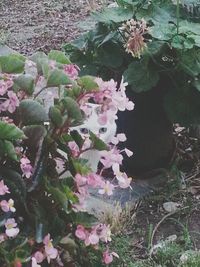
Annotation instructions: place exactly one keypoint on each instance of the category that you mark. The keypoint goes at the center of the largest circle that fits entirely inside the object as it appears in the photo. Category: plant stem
(177, 15)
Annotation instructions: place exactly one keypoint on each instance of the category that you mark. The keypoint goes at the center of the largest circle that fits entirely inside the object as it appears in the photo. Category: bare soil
(32, 25)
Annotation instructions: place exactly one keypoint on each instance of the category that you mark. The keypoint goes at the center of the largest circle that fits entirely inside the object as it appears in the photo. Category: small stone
(171, 206)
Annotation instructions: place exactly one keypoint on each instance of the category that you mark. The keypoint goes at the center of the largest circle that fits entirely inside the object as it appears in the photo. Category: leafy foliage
(169, 60)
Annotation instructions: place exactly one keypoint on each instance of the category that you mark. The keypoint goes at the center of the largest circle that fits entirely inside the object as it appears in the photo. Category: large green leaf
(58, 77)
(88, 83)
(9, 150)
(59, 57)
(55, 116)
(110, 55)
(10, 132)
(115, 14)
(73, 110)
(12, 63)
(189, 62)
(163, 31)
(141, 76)
(25, 82)
(31, 112)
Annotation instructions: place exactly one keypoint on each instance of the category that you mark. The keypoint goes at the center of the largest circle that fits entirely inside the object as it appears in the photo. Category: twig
(161, 221)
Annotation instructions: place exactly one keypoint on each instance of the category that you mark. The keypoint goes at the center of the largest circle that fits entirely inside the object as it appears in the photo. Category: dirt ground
(32, 25)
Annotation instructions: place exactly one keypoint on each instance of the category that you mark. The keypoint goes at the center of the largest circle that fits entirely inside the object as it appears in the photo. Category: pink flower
(105, 232)
(80, 180)
(50, 251)
(34, 262)
(74, 148)
(5, 85)
(94, 180)
(119, 138)
(26, 167)
(71, 70)
(108, 158)
(122, 177)
(93, 239)
(81, 233)
(107, 188)
(11, 103)
(7, 205)
(128, 152)
(39, 256)
(11, 229)
(3, 188)
(108, 257)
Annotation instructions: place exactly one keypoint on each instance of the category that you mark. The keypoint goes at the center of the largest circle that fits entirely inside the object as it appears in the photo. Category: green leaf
(80, 166)
(9, 150)
(85, 219)
(59, 197)
(55, 116)
(12, 63)
(110, 55)
(195, 39)
(25, 82)
(88, 83)
(58, 77)
(115, 14)
(77, 138)
(188, 27)
(31, 112)
(10, 132)
(189, 62)
(97, 143)
(73, 110)
(141, 76)
(163, 31)
(34, 133)
(59, 57)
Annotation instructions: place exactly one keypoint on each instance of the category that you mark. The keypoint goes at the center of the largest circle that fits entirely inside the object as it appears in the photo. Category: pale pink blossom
(7, 205)
(128, 152)
(94, 180)
(34, 262)
(71, 70)
(104, 232)
(3, 188)
(123, 180)
(11, 103)
(80, 232)
(26, 167)
(119, 138)
(5, 85)
(107, 188)
(11, 229)
(74, 148)
(50, 251)
(80, 180)
(108, 158)
(39, 256)
(108, 257)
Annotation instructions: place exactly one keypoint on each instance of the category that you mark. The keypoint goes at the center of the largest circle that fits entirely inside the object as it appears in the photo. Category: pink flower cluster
(47, 252)
(93, 236)
(11, 226)
(112, 99)
(9, 100)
